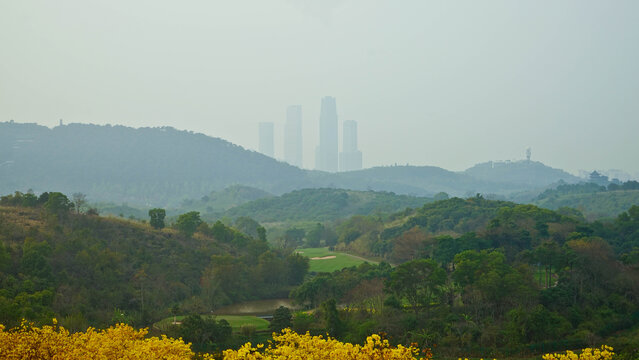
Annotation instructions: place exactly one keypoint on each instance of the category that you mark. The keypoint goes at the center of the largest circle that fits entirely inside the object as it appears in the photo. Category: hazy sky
(444, 83)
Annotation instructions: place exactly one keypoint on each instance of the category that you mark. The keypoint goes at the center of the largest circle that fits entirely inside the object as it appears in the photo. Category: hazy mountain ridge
(142, 166)
(523, 172)
(165, 166)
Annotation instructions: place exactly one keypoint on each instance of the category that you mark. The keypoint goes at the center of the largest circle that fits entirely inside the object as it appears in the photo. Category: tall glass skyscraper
(326, 153)
(350, 158)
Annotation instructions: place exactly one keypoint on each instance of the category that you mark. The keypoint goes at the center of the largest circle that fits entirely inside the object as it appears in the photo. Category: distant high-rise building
(326, 154)
(293, 136)
(266, 146)
(350, 158)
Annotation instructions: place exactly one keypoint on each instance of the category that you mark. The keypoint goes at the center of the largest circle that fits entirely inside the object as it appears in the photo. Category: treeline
(585, 188)
(324, 205)
(595, 201)
(484, 277)
(90, 270)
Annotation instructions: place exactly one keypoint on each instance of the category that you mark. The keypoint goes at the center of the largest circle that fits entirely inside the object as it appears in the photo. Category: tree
(79, 199)
(175, 309)
(331, 318)
(261, 234)
(314, 236)
(418, 282)
(281, 319)
(293, 237)
(200, 330)
(157, 216)
(247, 226)
(188, 223)
(58, 204)
(298, 266)
(491, 286)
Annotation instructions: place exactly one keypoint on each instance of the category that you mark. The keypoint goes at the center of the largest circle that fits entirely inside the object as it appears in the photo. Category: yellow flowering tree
(124, 342)
(117, 342)
(290, 345)
(603, 353)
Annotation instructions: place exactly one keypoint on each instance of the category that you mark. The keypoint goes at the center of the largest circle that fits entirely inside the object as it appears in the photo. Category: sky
(442, 83)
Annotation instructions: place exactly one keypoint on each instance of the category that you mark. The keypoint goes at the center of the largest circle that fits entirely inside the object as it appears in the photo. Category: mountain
(149, 167)
(524, 173)
(146, 166)
(92, 270)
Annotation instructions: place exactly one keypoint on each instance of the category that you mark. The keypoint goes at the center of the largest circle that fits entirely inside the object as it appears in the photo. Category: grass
(236, 321)
(341, 260)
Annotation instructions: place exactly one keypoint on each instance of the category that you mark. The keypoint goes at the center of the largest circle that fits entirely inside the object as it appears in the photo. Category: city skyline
(437, 83)
(328, 156)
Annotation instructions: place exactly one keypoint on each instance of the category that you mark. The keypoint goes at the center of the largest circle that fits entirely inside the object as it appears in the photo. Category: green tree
(298, 266)
(314, 236)
(196, 329)
(282, 319)
(188, 223)
(293, 237)
(247, 226)
(334, 325)
(157, 216)
(58, 204)
(34, 261)
(261, 233)
(418, 282)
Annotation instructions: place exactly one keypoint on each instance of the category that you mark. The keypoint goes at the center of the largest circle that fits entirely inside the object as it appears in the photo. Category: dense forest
(86, 269)
(470, 276)
(324, 205)
(476, 274)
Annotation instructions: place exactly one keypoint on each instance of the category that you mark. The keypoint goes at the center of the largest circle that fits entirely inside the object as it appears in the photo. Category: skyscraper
(266, 146)
(350, 158)
(293, 136)
(326, 151)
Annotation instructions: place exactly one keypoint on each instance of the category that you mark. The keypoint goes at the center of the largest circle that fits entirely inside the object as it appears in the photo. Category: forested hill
(164, 166)
(92, 270)
(522, 173)
(152, 166)
(323, 205)
(593, 200)
(413, 180)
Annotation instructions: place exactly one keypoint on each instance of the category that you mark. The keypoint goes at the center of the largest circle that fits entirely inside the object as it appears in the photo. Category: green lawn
(236, 321)
(341, 260)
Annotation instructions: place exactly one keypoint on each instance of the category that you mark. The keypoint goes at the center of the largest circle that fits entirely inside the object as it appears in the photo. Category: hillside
(396, 238)
(534, 278)
(324, 205)
(523, 173)
(146, 166)
(592, 200)
(149, 167)
(92, 270)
